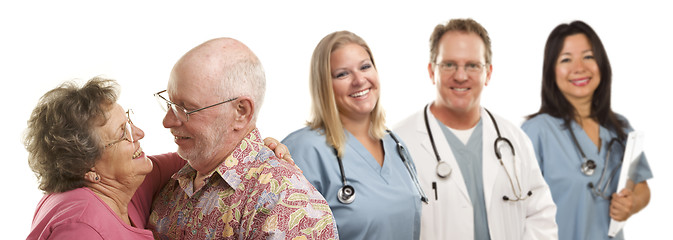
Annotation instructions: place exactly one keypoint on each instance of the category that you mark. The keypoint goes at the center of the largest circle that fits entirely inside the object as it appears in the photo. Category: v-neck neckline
(366, 156)
(583, 140)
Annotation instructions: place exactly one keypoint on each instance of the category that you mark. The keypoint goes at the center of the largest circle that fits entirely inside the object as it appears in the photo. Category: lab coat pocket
(508, 214)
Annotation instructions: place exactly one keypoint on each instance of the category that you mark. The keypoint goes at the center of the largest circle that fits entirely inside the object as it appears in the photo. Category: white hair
(244, 76)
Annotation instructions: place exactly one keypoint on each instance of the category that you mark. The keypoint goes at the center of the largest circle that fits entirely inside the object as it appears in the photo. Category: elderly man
(233, 187)
(476, 191)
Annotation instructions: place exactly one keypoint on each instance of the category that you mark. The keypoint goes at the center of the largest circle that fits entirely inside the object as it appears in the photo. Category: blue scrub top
(580, 213)
(470, 160)
(387, 205)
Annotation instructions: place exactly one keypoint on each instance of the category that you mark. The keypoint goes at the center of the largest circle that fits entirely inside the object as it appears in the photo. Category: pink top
(81, 214)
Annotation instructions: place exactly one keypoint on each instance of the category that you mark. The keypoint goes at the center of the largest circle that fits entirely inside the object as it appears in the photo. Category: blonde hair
(325, 114)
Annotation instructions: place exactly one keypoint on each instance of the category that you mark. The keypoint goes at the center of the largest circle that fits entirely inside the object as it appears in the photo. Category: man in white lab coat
(455, 143)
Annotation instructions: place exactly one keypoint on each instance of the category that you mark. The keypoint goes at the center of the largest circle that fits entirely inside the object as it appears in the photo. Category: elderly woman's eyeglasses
(451, 67)
(127, 133)
(180, 112)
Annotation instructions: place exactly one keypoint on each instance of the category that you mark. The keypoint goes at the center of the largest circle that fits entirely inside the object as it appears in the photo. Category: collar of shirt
(233, 168)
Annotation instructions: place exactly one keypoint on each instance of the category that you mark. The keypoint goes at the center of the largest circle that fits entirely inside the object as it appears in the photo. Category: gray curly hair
(61, 138)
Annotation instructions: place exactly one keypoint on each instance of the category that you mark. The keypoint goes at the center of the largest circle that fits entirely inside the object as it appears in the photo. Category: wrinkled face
(355, 81)
(577, 73)
(123, 161)
(459, 90)
(202, 140)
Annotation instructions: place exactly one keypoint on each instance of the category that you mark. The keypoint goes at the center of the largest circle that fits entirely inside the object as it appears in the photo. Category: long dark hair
(554, 102)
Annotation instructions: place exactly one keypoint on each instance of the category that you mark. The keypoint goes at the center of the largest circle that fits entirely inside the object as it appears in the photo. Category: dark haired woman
(578, 139)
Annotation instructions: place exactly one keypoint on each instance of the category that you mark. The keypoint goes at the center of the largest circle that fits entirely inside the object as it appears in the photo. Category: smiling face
(124, 161)
(577, 73)
(460, 91)
(202, 140)
(355, 81)
(209, 135)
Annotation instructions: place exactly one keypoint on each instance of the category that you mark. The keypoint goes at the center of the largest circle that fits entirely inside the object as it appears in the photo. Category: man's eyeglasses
(451, 67)
(180, 112)
(127, 130)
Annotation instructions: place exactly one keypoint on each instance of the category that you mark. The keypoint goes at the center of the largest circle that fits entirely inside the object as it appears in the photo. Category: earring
(97, 178)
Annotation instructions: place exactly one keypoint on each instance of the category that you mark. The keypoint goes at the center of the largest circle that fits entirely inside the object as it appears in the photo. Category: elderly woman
(84, 150)
(346, 152)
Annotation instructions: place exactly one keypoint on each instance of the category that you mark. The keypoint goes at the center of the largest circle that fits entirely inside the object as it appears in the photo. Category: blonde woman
(346, 152)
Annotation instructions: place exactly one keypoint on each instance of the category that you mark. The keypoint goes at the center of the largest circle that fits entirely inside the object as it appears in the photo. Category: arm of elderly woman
(165, 165)
(280, 149)
(628, 202)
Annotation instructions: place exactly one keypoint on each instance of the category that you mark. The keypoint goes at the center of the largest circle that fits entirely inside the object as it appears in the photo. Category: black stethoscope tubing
(588, 166)
(518, 195)
(443, 169)
(346, 194)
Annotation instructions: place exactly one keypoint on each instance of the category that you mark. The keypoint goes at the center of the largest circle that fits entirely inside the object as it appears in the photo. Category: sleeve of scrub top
(643, 171)
(407, 154)
(540, 208)
(535, 136)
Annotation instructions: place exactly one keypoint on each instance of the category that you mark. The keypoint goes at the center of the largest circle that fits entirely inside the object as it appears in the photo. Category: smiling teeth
(359, 94)
(138, 153)
(461, 89)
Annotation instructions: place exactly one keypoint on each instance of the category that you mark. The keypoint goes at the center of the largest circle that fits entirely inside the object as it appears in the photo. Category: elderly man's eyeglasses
(451, 67)
(127, 133)
(180, 112)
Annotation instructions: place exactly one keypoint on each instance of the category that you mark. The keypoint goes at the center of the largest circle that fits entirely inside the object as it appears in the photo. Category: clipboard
(632, 152)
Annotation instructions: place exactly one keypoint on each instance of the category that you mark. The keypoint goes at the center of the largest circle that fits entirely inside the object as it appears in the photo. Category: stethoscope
(443, 169)
(346, 194)
(588, 167)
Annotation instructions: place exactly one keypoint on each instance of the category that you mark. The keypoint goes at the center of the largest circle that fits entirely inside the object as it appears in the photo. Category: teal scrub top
(470, 160)
(580, 214)
(387, 204)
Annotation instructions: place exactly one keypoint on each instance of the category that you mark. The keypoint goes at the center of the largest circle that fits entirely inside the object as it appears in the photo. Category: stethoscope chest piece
(588, 167)
(443, 169)
(346, 194)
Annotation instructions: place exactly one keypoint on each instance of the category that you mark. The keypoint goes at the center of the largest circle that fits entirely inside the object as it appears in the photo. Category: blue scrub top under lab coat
(469, 157)
(580, 214)
(387, 205)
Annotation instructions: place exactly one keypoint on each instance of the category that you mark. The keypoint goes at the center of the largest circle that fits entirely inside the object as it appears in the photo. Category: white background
(137, 43)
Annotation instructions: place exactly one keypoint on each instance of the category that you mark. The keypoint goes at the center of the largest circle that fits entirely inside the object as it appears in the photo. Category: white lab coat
(450, 215)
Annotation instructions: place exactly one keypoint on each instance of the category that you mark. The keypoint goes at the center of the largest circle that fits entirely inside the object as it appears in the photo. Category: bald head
(221, 68)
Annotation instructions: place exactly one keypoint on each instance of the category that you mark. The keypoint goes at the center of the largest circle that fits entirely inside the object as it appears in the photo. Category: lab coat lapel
(444, 151)
(490, 163)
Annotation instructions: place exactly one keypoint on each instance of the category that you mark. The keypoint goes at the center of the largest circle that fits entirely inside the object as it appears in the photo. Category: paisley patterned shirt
(251, 195)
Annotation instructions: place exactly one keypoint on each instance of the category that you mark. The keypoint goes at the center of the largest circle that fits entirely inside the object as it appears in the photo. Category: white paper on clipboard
(634, 147)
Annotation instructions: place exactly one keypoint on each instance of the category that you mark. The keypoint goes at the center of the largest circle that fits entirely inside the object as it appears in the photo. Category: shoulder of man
(409, 124)
(292, 206)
